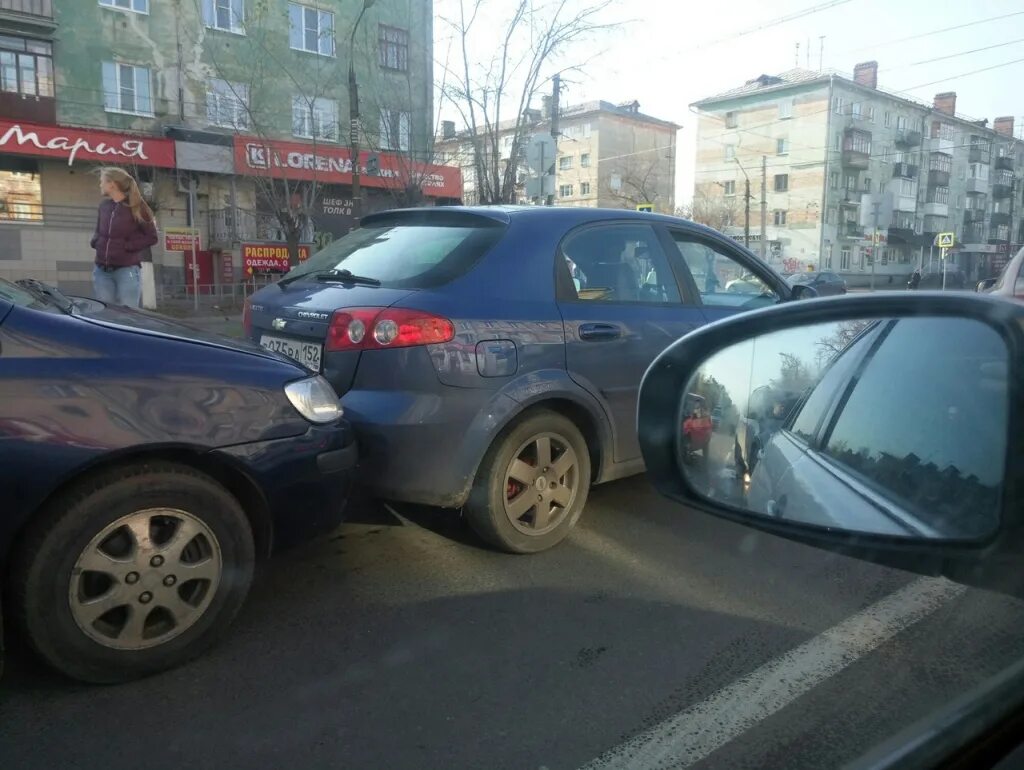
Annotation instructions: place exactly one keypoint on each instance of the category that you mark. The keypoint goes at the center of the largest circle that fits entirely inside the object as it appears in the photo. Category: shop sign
(181, 239)
(73, 144)
(269, 257)
(333, 165)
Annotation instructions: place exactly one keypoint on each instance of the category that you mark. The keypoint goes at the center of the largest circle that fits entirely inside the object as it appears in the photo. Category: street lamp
(353, 110)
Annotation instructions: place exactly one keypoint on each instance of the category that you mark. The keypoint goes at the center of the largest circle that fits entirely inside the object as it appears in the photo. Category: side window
(619, 263)
(722, 280)
(937, 442)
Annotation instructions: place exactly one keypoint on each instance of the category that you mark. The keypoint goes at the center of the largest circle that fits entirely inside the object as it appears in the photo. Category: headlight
(315, 399)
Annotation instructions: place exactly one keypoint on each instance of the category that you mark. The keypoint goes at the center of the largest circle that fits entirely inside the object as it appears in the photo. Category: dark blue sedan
(490, 358)
(143, 468)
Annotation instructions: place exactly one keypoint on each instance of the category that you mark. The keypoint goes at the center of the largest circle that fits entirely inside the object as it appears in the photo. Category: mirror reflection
(883, 426)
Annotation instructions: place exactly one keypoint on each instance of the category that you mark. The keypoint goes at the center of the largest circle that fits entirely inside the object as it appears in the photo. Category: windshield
(404, 256)
(464, 232)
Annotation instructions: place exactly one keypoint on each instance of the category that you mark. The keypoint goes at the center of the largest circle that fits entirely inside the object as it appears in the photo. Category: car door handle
(599, 332)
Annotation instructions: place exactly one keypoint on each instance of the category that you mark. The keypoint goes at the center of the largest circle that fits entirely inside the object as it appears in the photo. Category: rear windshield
(406, 256)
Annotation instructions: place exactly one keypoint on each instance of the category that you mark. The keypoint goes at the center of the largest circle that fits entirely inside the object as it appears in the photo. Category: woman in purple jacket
(124, 228)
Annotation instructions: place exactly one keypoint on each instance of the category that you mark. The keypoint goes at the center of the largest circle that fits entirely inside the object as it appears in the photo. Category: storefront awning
(332, 164)
(77, 145)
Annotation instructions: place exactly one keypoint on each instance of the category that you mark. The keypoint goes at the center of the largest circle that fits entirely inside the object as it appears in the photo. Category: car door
(714, 264)
(622, 304)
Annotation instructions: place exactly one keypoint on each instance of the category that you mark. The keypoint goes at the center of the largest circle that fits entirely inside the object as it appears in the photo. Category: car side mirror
(891, 429)
(987, 284)
(803, 291)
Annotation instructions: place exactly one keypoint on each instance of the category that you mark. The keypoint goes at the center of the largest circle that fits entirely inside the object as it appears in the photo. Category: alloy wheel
(541, 484)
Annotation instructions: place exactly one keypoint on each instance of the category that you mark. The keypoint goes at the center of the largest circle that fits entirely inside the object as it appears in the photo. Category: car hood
(114, 316)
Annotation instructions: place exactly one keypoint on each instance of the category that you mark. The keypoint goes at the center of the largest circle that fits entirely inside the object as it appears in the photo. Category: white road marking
(691, 735)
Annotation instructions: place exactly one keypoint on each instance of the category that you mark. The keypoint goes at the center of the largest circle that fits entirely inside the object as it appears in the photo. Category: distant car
(1010, 283)
(697, 426)
(933, 279)
(824, 282)
(490, 358)
(767, 409)
(745, 284)
(144, 466)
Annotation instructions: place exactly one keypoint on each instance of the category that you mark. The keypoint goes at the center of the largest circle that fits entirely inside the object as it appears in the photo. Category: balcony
(1004, 163)
(33, 109)
(1000, 218)
(908, 138)
(932, 226)
(1002, 185)
(973, 234)
(979, 154)
(938, 178)
(999, 235)
(905, 170)
(973, 216)
(941, 144)
(851, 230)
(935, 209)
(976, 185)
(228, 226)
(855, 159)
(28, 7)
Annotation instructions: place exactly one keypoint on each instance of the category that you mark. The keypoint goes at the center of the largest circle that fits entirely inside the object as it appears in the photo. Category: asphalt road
(402, 643)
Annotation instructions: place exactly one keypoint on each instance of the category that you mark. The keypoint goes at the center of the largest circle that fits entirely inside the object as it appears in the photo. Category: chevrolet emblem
(279, 323)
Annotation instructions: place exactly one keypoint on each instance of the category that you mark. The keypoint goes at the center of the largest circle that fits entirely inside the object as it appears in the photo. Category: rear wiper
(54, 295)
(345, 276)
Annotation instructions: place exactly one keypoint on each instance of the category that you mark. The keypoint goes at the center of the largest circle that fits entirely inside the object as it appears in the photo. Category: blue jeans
(122, 286)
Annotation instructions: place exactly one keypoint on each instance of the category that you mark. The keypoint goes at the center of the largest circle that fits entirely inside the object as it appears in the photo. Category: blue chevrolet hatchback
(490, 358)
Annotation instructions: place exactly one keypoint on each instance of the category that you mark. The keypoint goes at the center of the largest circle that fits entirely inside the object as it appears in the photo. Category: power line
(953, 55)
(965, 74)
(933, 32)
(773, 23)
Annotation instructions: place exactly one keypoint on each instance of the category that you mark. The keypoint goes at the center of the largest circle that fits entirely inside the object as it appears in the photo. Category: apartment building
(209, 103)
(859, 180)
(608, 156)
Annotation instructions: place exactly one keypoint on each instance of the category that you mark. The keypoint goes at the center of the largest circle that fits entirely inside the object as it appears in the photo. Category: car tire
(172, 555)
(514, 467)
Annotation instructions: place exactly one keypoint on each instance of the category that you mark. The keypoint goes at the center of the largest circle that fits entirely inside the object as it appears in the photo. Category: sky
(670, 53)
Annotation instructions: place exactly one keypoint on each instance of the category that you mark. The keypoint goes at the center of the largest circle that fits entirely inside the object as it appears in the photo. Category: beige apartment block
(609, 156)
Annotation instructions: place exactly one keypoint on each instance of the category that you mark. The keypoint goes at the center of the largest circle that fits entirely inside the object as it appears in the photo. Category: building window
(908, 188)
(315, 119)
(585, 160)
(844, 258)
(126, 88)
(838, 105)
(851, 182)
(779, 217)
(781, 182)
(395, 130)
(730, 152)
(855, 110)
(839, 142)
(881, 186)
(21, 196)
(904, 256)
(901, 123)
(730, 120)
(227, 104)
(584, 188)
(393, 46)
(888, 119)
(586, 130)
(26, 66)
(565, 163)
(565, 191)
(227, 15)
(310, 29)
(830, 216)
(729, 186)
(139, 6)
(781, 146)
(871, 114)
(867, 184)
(833, 180)
(785, 109)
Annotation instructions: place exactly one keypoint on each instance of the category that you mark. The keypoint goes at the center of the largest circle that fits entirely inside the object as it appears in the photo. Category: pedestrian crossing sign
(648, 207)
(944, 240)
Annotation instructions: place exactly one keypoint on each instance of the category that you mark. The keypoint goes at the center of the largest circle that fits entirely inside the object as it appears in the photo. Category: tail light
(247, 317)
(374, 328)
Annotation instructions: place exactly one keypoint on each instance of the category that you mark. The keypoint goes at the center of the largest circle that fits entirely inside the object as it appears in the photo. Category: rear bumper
(306, 480)
(424, 447)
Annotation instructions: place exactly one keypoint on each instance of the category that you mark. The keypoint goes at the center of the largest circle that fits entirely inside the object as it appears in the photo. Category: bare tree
(714, 210)
(262, 94)
(639, 180)
(493, 92)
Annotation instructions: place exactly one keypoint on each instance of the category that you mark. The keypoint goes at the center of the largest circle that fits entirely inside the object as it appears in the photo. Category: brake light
(376, 328)
(247, 317)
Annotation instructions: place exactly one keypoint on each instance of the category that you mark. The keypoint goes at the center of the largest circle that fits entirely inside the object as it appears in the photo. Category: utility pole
(764, 207)
(556, 87)
(353, 113)
(875, 206)
(746, 217)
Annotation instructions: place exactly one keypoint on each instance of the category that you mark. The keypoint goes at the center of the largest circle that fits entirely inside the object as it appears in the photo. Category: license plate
(306, 353)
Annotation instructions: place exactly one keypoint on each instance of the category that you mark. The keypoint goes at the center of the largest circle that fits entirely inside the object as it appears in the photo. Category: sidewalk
(228, 324)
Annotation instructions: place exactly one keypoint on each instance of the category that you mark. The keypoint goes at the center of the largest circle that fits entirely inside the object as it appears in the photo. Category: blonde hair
(126, 184)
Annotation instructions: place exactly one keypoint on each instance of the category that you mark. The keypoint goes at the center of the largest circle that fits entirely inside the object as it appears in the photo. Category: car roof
(569, 215)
